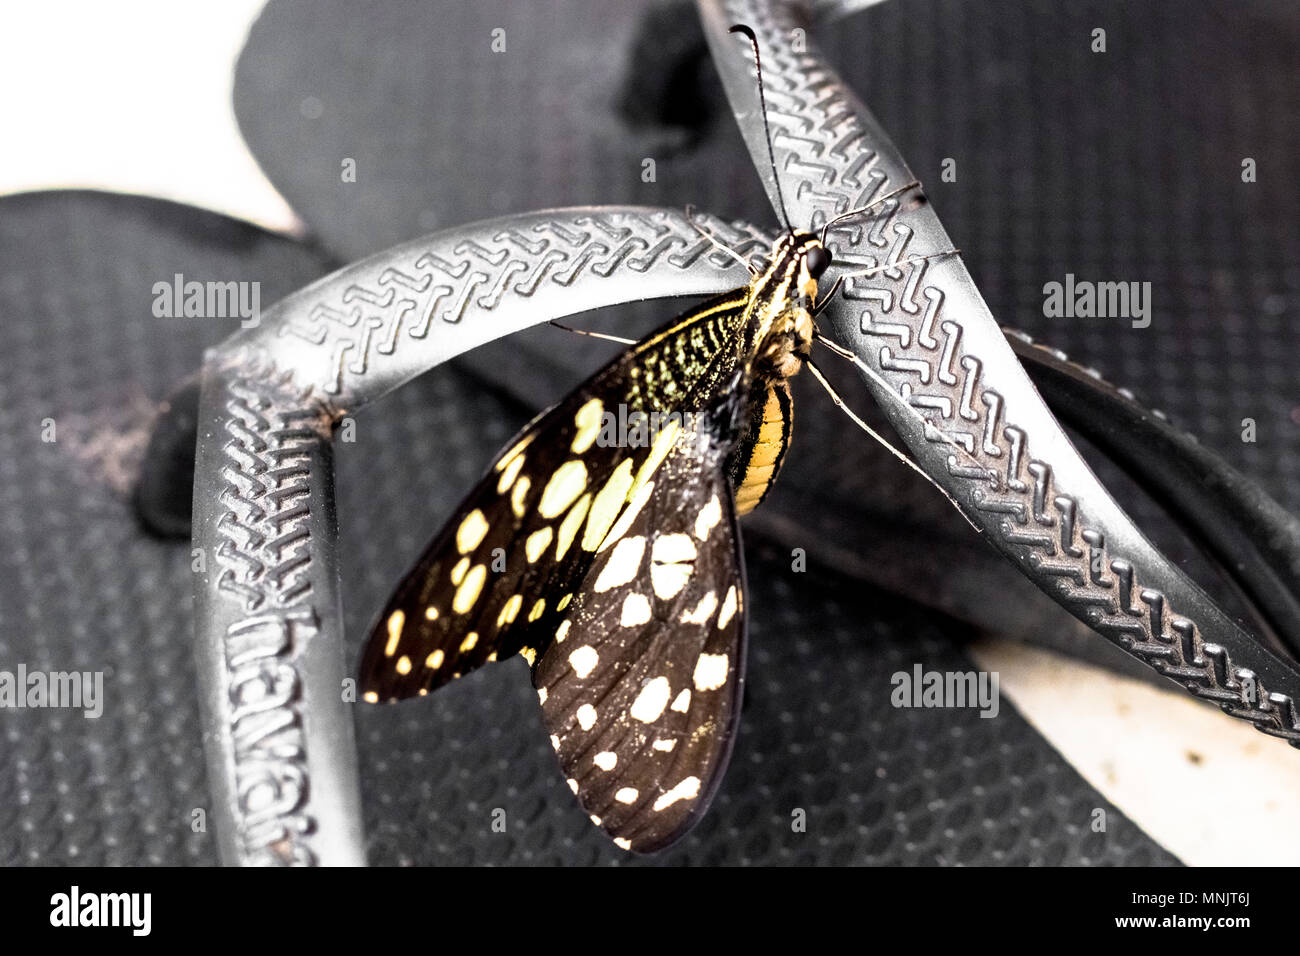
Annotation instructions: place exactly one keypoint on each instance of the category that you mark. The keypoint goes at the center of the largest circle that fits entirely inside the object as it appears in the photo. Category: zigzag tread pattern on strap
(265, 549)
(921, 353)
(408, 302)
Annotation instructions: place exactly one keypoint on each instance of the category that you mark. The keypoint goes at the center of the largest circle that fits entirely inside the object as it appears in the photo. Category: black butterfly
(603, 546)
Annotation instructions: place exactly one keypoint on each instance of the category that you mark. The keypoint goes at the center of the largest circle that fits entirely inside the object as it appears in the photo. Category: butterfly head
(783, 301)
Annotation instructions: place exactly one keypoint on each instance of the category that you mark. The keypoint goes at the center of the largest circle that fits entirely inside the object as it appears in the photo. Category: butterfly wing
(641, 685)
(522, 541)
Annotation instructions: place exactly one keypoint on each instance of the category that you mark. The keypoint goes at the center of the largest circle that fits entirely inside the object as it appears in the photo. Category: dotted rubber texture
(1117, 166)
(81, 587)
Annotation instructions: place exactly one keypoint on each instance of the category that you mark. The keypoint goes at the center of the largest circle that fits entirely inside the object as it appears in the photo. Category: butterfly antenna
(690, 219)
(893, 398)
(853, 416)
(767, 130)
(595, 335)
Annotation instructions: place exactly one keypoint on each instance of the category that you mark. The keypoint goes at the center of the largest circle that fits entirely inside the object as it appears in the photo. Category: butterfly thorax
(780, 309)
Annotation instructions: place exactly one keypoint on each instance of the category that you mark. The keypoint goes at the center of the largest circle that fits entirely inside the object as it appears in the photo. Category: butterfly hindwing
(641, 685)
(525, 536)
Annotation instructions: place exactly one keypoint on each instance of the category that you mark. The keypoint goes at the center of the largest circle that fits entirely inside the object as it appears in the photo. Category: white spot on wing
(708, 518)
(584, 661)
(672, 562)
(728, 608)
(586, 716)
(636, 610)
(622, 565)
(703, 611)
(627, 795)
(652, 700)
(688, 789)
(606, 760)
(711, 671)
(683, 702)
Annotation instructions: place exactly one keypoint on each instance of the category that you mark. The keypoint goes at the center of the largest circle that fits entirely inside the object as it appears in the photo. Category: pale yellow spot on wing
(588, 424)
(510, 610)
(652, 700)
(403, 665)
(627, 795)
(595, 819)
(605, 509)
(586, 716)
(396, 621)
(636, 610)
(664, 745)
(622, 843)
(470, 640)
(372, 697)
(563, 489)
(729, 604)
(431, 613)
(688, 789)
(639, 498)
(708, 518)
(538, 610)
(509, 473)
(711, 671)
(606, 760)
(529, 654)
(564, 601)
(469, 589)
(509, 456)
(434, 660)
(537, 543)
(570, 525)
(471, 532)
(703, 611)
(562, 631)
(663, 444)
(683, 702)
(518, 496)
(584, 661)
(458, 572)
(622, 565)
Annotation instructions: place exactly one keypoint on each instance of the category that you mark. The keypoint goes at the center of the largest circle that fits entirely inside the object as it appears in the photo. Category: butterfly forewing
(641, 686)
(519, 547)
